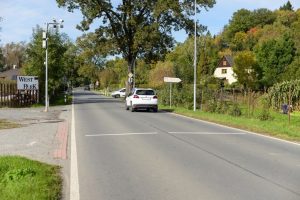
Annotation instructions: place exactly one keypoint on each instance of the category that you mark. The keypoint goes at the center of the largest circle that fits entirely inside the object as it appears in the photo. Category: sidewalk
(43, 136)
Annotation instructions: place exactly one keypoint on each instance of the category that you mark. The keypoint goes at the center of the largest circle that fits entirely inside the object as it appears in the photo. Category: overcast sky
(19, 17)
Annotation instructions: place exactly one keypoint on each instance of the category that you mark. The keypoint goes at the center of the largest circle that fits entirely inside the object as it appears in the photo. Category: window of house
(224, 71)
(224, 63)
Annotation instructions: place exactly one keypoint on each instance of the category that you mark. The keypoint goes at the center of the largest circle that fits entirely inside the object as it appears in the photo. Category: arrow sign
(172, 80)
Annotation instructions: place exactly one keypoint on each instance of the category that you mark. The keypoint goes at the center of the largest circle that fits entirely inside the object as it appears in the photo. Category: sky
(19, 17)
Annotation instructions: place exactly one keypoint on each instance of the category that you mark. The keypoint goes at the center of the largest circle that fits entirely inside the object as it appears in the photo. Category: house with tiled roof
(10, 74)
(224, 70)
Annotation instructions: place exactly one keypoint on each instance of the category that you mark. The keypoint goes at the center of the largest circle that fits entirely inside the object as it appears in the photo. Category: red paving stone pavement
(62, 137)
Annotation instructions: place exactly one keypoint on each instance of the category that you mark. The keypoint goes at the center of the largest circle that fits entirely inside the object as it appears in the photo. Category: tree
(246, 69)
(1, 61)
(293, 70)
(137, 28)
(90, 58)
(118, 65)
(287, 6)
(161, 70)
(107, 78)
(274, 56)
(71, 65)
(34, 65)
(14, 55)
(286, 17)
(243, 20)
(183, 57)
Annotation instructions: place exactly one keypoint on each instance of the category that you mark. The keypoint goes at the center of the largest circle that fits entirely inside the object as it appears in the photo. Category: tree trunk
(130, 78)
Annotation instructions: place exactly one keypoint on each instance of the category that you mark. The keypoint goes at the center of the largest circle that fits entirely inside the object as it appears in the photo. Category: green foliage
(179, 98)
(274, 56)
(157, 74)
(115, 73)
(136, 28)
(243, 20)
(293, 70)
(246, 69)
(34, 65)
(235, 110)
(142, 71)
(265, 114)
(287, 6)
(279, 94)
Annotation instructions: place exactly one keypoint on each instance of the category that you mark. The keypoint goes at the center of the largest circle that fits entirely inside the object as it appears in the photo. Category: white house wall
(229, 75)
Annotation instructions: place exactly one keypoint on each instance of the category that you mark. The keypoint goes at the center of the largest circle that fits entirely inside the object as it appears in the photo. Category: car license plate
(146, 98)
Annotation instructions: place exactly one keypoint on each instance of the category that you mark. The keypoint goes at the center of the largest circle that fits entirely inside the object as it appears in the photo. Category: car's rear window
(145, 92)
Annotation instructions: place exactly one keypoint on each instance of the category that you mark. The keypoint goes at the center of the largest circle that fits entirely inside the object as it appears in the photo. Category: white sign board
(27, 82)
(172, 80)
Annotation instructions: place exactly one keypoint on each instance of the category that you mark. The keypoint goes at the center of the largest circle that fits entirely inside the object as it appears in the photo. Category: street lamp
(55, 24)
(195, 57)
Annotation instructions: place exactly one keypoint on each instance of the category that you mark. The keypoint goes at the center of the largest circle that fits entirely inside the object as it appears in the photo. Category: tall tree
(91, 57)
(1, 61)
(274, 56)
(243, 20)
(246, 69)
(287, 6)
(137, 28)
(14, 55)
(34, 65)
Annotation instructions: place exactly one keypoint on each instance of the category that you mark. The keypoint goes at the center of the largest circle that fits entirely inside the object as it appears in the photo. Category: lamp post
(195, 56)
(55, 24)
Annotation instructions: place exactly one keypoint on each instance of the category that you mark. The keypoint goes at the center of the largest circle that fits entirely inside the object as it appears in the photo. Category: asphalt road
(162, 156)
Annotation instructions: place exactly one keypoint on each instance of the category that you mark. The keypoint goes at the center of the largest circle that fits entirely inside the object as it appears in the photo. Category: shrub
(222, 107)
(235, 110)
(265, 115)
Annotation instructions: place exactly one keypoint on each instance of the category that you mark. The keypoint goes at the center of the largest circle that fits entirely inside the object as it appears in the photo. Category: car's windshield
(145, 92)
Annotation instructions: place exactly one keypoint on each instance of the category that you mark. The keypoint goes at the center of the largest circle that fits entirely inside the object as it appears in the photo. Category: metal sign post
(170, 94)
(171, 80)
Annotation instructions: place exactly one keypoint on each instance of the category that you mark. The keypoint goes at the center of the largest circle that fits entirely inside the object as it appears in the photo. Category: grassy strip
(25, 179)
(58, 101)
(4, 124)
(278, 127)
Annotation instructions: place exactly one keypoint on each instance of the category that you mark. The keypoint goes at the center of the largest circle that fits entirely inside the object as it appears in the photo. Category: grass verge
(58, 101)
(25, 179)
(278, 127)
(4, 124)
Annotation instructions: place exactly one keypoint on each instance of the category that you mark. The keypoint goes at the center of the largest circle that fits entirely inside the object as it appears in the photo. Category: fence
(10, 96)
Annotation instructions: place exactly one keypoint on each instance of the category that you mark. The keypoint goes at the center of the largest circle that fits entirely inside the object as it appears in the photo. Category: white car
(119, 93)
(141, 98)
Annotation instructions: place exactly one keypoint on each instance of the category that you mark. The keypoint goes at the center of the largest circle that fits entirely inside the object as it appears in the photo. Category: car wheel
(117, 96)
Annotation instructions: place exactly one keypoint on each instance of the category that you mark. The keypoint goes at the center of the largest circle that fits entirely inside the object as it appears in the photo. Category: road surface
(161, 156)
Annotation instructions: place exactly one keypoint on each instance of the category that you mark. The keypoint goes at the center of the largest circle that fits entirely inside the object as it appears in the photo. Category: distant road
(161, 156)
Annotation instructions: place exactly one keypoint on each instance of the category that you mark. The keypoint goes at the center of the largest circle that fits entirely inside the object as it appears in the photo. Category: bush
(222, 107)
(211, 106)
(235, 110)
(265, 115)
